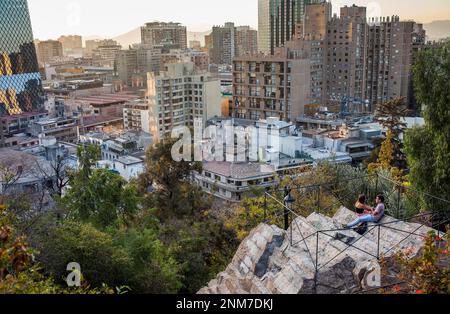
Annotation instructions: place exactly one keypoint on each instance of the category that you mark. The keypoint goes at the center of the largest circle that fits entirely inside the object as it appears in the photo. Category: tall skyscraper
(277, 20)
(223, 44)
(20, 81)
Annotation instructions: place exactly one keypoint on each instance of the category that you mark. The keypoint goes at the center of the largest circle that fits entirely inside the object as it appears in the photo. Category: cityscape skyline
(198, 147)
(81, 17)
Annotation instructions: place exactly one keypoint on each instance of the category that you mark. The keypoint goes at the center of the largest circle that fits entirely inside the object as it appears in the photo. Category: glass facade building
(20, 81)
(277, 20)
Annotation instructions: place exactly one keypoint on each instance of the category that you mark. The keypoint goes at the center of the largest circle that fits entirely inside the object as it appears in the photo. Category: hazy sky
(109, 18)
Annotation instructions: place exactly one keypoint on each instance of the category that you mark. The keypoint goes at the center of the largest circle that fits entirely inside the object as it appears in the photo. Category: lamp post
(288, 200)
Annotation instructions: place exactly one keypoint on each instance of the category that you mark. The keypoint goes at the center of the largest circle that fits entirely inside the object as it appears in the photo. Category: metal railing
(290, 219)
(400, 200)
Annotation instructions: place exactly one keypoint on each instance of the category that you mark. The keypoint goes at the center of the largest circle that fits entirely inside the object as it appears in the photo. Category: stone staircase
(270, 261)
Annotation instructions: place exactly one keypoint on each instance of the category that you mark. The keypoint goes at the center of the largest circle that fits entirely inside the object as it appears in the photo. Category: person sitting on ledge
(361, 207)
(375, 216)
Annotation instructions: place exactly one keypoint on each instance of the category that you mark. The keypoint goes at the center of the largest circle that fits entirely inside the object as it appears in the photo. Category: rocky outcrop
(273, 261)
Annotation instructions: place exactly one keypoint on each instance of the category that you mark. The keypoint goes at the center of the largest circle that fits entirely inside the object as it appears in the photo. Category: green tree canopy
(101, 262)
(428, 147)
(104, 199)
(174, 193)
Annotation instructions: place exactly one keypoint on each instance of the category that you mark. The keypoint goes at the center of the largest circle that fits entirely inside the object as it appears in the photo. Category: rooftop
(129, 160)
(99, 120)
(107, 99)
(239, 170)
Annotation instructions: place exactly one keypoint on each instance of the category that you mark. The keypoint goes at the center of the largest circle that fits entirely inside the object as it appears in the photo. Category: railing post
(292, 234)
(316, 273)
(288, 200)
(286, 219)
(378, 242)
(398, 202)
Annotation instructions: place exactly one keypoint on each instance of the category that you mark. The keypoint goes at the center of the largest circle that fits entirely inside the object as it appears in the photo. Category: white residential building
(128, 167)
(230, 181)
(180, 95)
(136, 116)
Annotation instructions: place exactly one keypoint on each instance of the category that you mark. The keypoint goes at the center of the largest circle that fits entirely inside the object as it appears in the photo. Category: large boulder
(314, 256)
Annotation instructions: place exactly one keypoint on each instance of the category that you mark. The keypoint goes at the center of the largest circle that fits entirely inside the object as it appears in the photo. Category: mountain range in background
(134, 36)
(435, 30)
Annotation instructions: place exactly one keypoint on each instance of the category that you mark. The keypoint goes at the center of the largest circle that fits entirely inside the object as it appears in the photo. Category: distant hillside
(134, 36)
(438, 29)
(129, 38)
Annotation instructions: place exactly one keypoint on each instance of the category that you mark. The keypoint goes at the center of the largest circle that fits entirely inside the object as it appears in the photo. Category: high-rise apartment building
(105, 53)
(148, 59)
(199, 58)
(229, 41)
(277, 20)
(136, 116)
(49, 50)
(267, 86)
(138, 60)
(126, 65)
(223, 44)
(208, 42)
(345, 59)
(310, 41)
(180, 95)
(346, 44)
(370, 61)
(164, 36)
(390, 51)
(246, 41)
(20, 81)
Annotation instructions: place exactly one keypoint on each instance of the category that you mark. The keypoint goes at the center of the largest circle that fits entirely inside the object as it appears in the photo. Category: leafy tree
(386, 158)
(391, 116)
(428, 147)
(174, 193)
(101, 262)
(326, 188)
(99, 196)
(87, 157)
(104, 198)
(19, 274)
(202, 246)
(247, 215)
(428, 273)
(154, 270)
(373, 158)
